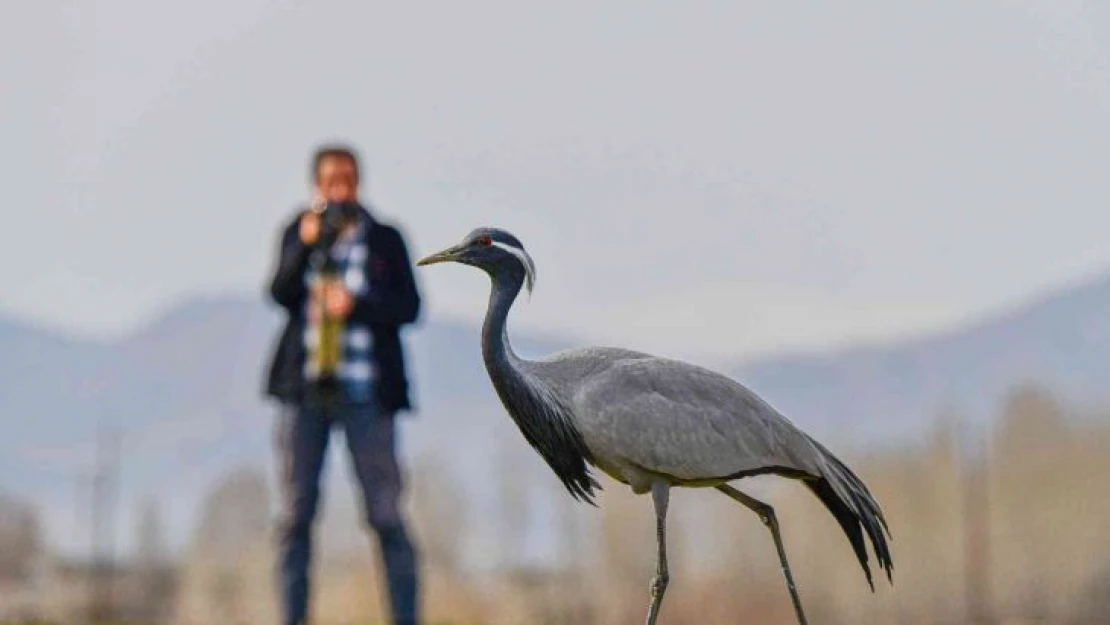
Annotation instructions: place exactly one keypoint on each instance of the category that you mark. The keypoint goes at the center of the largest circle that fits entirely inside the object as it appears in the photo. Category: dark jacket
(391, 301)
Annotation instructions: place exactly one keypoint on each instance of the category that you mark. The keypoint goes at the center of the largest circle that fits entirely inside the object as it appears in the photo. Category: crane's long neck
(496, 351)
(542, 417)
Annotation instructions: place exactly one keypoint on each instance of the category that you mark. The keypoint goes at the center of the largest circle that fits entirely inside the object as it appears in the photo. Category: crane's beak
(446, 256)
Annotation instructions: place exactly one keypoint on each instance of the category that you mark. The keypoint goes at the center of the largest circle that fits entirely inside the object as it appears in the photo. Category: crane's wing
(687, 422)
(696, 426)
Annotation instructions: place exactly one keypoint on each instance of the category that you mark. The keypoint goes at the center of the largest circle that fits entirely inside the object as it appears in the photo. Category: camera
(333, 217)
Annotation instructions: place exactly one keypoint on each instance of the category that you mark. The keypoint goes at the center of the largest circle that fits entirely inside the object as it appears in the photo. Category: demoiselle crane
(654, 423)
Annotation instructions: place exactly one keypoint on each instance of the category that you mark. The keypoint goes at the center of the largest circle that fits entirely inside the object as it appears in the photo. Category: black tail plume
(857, 512)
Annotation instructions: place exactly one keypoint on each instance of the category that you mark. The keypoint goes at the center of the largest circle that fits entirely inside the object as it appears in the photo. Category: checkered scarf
(356, 370)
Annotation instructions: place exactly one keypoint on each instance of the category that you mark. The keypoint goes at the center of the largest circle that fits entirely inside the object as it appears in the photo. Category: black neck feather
(541, 415)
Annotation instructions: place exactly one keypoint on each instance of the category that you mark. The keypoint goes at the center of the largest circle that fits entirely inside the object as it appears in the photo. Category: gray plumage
(654, 423)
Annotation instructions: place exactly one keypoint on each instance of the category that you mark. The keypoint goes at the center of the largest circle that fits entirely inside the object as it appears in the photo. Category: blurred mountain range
(185, 395)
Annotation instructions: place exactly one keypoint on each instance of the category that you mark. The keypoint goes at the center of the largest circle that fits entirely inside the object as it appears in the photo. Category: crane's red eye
(485, 241)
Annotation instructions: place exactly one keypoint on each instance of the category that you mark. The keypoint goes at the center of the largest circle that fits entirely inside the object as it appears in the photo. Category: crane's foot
(659, 585)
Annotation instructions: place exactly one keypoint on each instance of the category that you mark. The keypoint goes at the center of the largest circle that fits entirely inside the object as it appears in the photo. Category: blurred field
(1014, 532)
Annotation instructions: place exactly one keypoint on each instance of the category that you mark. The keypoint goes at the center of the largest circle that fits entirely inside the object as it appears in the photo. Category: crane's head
(494, 251)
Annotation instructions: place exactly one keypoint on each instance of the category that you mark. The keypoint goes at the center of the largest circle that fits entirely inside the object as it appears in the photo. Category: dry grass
(1043, 554)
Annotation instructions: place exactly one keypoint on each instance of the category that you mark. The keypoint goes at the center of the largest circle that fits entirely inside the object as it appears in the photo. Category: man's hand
(338, 301)
(310, 222)
(310, 227)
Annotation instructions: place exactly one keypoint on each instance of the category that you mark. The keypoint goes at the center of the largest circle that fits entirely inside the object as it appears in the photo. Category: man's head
(335, 173)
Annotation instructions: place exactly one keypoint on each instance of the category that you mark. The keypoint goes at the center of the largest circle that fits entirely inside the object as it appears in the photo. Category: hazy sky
(690, 177)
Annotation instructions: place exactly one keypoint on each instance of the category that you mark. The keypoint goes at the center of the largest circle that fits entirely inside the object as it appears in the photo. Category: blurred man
(351, 276)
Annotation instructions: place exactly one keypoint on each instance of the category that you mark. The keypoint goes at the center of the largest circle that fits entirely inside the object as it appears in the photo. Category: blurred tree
(1031, 417)
(440, 513)
(21, 539)
(228, 559)
(514, 478)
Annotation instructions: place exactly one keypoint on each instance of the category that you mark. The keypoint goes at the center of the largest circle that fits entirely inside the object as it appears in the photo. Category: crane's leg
(660, 496)
(767, 515)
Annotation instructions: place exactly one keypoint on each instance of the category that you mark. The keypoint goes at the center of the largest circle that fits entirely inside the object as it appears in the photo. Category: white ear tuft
(525, 260)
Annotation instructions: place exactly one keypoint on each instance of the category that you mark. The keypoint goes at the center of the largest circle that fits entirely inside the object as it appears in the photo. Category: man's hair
(333, 150)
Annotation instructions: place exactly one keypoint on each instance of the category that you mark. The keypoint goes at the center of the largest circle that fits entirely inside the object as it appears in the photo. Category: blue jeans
(302, 443)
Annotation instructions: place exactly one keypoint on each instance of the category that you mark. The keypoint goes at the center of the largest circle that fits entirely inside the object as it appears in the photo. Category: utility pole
(150, 554)
(105, 494)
